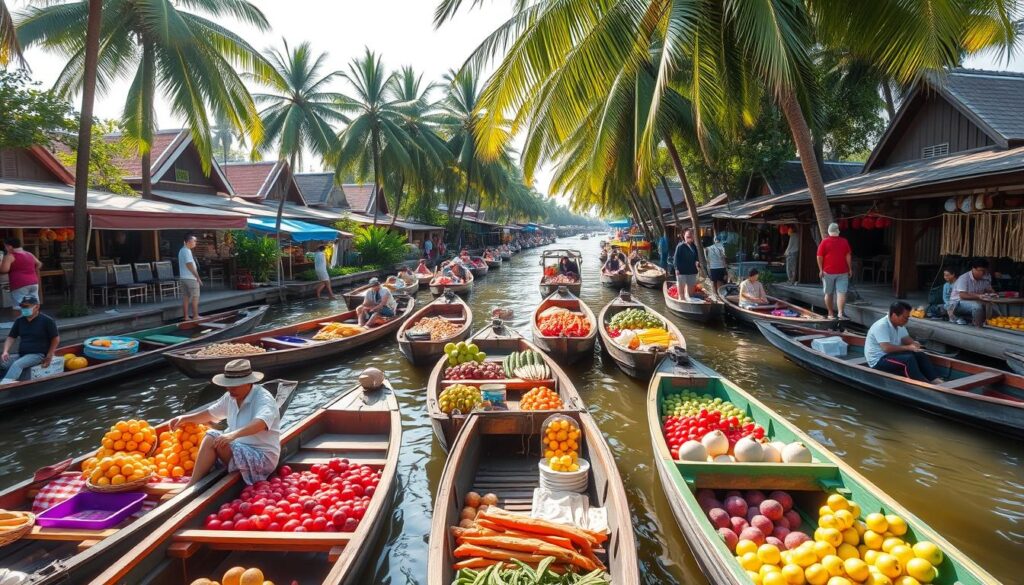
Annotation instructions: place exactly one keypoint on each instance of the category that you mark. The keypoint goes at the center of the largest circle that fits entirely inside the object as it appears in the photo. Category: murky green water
(967, 484)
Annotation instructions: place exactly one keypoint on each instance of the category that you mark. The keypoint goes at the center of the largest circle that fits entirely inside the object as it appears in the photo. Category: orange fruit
(177, 472)
(117, 479)
(233, 576)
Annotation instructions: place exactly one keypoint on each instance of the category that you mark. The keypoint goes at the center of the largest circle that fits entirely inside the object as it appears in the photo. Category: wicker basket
(128, 486)
(11, 536)
(120, 347)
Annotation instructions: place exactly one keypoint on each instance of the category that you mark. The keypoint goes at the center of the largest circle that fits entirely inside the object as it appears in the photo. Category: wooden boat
(363, 427)
(565, 349)
(462, 289)
(619, 280)
(355, 297)
(56, 555)
(497, 341)
(153, 343)
(986, 397)
(423, 351)
(498, 453)
(711, 309)
(809, 483)
(652, 277)
(494, 264)
(424, 279)
(1015, 361)
(551, 258)
(730, 294)
(634, 362)
(506, 256)
(478, 266)
(292, 345)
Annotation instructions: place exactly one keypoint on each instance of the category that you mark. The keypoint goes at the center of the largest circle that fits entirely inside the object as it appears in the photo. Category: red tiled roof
(360, 196)
(249, 180)
(163, 140)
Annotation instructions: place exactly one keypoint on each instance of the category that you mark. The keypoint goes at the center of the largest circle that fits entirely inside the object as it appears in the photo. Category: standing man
(890, 348)
(686, 266)
(22, 269)
(792, 255)
(428, 248)
(322, 274)
(663, 250)
(717, 263)
(188, 274)
(252, 443)
(835, 269)
(39, 340)
(968, 292)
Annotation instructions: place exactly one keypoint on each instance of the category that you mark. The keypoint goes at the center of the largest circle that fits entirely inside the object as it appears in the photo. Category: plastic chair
(124, 282)
(98, 284)
(165, 276)
(216, 274)
(144, 275)
(884, 269)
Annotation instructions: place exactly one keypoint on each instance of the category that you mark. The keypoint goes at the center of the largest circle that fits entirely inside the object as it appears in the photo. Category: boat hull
(964, 407)
(705, 312)
(565, 349)
(617, 280)
(19, 394)
(462, 290)
(1015, 361)
(421, 353)
(574, 288)
(494, 264)
(638, 364)
(645, 279)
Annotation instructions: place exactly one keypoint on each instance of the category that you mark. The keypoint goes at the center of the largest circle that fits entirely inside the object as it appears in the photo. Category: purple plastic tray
(91, 510)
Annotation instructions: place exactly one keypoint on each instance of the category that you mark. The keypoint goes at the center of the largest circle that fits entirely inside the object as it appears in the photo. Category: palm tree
(298, 113)
(10, 48)
(192, 59)
(375, 137)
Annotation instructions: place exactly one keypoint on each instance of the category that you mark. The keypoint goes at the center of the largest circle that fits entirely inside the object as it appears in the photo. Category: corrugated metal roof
(399, 223)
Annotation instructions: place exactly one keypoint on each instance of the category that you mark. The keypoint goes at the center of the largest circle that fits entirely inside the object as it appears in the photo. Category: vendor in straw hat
(252, 443)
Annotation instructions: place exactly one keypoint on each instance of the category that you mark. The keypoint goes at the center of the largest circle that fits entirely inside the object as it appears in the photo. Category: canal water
(965, 483)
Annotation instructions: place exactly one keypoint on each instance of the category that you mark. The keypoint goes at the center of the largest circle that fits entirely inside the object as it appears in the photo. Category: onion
(796, 453)
(748, 450)
(716, 443)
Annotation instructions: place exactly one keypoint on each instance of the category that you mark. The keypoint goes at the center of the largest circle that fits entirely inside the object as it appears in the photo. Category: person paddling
(252, 443)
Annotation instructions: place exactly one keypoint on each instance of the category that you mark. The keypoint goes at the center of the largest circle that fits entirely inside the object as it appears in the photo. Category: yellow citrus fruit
(829, 535)
(873, 540)
(833, 564)
(855, 509)
(844, 519)
(847, 551)
(766, 569)
(838, 502)
(821, 549)
(906, 580)
(745, 546)
(851, 537)
(902, 552)
(897, 525)
(890, 543)
(888, 565)
(825, 511)
(929, 552)
(768, 554)
(793, 575)
(876, 578)
(839, 581)
(773, 578)
(754, 577)
(749, 561)
(251, 577)
(921, 570)
(816, 574)
(856, 569)
(870, 556)
(804, 557)
(233, 576)
(876, 522)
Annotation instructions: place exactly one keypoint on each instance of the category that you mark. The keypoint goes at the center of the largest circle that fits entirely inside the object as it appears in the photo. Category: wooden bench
(309, 459)
(973, 381)
(266, 541)
(332, 442)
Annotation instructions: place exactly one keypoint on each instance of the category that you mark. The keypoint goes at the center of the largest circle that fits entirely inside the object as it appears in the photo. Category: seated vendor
(613, 265)
(378, 305)
(568, 267)
(889, 347)
(752, 293)
(391, 283)
(38, 340)
(968, 292)
(422, 267)
(252, 443)
(407, 277)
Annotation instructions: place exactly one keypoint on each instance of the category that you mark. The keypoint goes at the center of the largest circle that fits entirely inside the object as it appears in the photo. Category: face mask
(26, 312)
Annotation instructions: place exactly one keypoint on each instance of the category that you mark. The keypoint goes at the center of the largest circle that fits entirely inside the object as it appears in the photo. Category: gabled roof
(257, 180)
(320, 189)
(990, 99)
(363, 199)
(168, 145)
(789, 176)
(50, 162)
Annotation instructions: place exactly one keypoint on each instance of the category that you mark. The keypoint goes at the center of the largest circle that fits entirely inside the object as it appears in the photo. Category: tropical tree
(10, 48)
(192, 59)
(375, 138)
(298, 111)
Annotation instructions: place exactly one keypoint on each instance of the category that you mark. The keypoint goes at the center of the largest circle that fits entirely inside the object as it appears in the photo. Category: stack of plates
(565, 481)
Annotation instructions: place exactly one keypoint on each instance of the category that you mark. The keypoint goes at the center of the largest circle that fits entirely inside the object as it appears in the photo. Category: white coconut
(771, 454)
(723, 458)
(796, 453)
(747, 450)
(716, 443)
(692, 451)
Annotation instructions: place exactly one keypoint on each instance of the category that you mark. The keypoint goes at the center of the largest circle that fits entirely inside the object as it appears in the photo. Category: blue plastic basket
(120, 347)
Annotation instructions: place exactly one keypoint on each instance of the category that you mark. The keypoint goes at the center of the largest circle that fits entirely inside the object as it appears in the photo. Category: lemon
(847, 551)
(828, 521)
(929, 552)
(870, 556)
(816, 574)
(876, 578)
(825, 511)
(755, 577)
(873, 540)
(844, 519)
(766, 570)
(774, 578)
(856, 569)
(833, 564)
(902, 552)
(829, 535)
(851, 537)
(793, 574)
(906, 580)
(822, 549)
(804, 557)
(897, 525)
(890, 543)
(876, 523)
(921, 570)
(745, 546)
(889, 565)
(855, 509)
(839, 581)
(749, 561)
(768, 554)
(838, 502)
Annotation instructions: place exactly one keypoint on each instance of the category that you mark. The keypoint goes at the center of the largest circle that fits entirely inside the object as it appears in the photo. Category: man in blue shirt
(890, 348)
(686, 266)
(38, 341)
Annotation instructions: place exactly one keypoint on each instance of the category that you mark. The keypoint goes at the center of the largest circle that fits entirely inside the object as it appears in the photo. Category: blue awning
(621, 223)
(297, 231)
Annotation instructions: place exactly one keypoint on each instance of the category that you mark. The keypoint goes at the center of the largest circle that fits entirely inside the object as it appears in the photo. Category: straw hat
(237, 373)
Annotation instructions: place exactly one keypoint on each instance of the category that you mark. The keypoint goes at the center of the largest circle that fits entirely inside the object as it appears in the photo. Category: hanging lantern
(843, 223)
(950, 205)
(857, 223)
(868, 223)
(989, 201)
(782, 229)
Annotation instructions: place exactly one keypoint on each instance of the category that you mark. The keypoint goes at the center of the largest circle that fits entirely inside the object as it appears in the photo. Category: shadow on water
(965, 483)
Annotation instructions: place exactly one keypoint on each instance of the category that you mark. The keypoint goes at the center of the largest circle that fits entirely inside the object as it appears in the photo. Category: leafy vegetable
(523, 574)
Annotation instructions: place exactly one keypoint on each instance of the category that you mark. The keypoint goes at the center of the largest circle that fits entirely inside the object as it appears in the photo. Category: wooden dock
(874, 303)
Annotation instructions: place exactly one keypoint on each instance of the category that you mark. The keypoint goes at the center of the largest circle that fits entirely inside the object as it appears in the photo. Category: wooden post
(99, 245)
(904, 274)
(156, 245)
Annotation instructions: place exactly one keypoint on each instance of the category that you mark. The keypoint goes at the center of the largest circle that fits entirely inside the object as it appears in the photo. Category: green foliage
(379, 245)
(257, 254)
(347, 224)
(104, 173)
(310, 275)
(67, 310)
(29, 116)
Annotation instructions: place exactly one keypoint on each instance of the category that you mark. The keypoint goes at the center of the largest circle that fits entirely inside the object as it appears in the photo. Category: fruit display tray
(91, 510)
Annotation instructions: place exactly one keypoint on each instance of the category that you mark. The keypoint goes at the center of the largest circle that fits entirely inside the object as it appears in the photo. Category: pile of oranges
(540, 398)
(178, 449)
(119, 468)
(1014, 323)
(561, 439)
(128, 436)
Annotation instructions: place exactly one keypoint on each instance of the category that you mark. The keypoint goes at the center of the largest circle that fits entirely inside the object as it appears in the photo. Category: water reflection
(968, 485)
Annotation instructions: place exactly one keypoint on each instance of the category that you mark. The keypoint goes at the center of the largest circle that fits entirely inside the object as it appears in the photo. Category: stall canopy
(620, 223)
(27, 204)
(297, 231)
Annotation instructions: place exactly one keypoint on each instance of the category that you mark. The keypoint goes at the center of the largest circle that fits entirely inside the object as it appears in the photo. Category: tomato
(319, 524)
(350, 525)
(274, 527)
(225, 514)
(213, 524)
(281, 517)
(285, 471)
(245, 508)
(290, 526)
(371, 490)
(227, 525)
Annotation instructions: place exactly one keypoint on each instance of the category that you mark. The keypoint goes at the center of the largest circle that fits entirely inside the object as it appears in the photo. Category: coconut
(796, 453)
(716, 443)
(748, 450)
(692, 451)
(371, 379)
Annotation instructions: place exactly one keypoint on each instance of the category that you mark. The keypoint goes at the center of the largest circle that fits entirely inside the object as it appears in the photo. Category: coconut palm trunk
(277, 232)
(148, 68)
(398, 200)
(465, 201)
(378, 178)
(691, 205)
(657, 209)
(80, 284)
(808, 161)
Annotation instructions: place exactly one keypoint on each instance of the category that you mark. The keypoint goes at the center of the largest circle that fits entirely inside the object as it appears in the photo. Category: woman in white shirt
(322, 274)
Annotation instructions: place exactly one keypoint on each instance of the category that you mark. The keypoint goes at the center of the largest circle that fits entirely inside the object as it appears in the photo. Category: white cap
(833, 229)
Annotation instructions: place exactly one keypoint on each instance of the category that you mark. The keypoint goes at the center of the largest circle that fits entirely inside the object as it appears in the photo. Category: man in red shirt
(835, 269)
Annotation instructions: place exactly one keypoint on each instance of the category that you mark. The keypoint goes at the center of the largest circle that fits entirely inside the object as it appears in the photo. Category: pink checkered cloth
(59, 489)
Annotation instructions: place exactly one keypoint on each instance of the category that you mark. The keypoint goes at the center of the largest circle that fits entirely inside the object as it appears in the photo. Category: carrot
(533, 546)
(479, 563)
(536, 525)
(471, 550)
(489, 528)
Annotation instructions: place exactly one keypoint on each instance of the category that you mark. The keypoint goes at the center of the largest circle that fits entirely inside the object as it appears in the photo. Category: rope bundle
(998, 234)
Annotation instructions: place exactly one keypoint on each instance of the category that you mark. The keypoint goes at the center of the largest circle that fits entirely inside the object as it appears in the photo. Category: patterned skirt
(254, 465)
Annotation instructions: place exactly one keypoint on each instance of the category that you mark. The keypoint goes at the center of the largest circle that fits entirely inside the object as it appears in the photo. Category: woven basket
(128, 486)
(11, 536)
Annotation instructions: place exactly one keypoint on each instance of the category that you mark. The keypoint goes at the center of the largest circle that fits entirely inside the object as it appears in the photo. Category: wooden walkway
(874, 303)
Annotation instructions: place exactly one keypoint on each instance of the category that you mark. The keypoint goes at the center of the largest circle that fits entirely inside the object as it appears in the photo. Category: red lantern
(868, 223)
(886, 222)
(856, 223)
(843, 223)
(782, 230)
